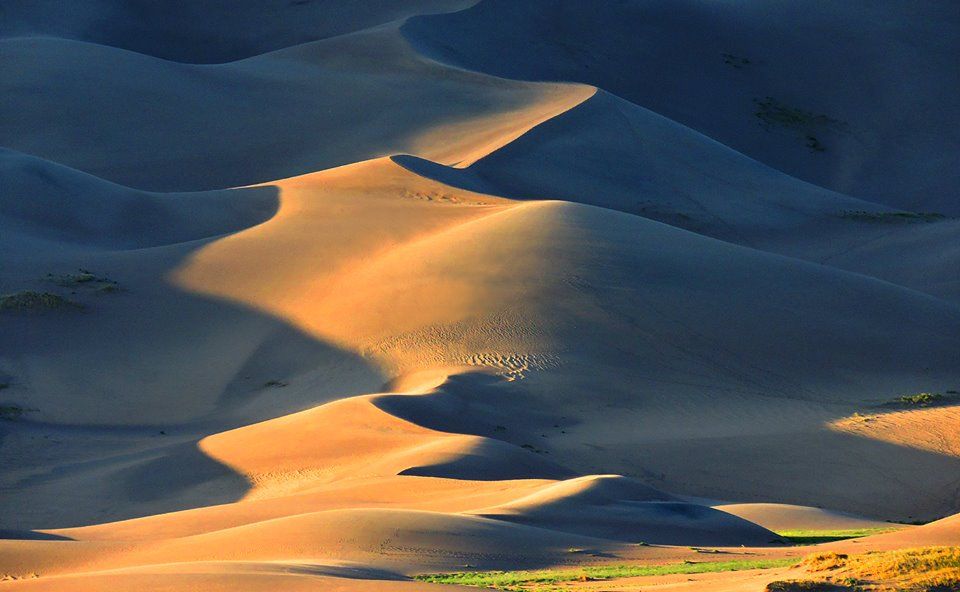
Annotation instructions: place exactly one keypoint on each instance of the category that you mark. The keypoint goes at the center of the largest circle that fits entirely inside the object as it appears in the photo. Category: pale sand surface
(365, 290)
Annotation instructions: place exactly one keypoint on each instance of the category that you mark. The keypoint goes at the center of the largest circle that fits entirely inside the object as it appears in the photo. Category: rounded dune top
(206, 32)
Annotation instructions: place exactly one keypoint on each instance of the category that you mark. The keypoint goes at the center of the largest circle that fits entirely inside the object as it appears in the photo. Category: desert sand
(329, 295)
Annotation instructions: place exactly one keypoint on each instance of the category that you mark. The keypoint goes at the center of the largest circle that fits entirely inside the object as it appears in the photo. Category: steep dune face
(870, 82)
(45, 201)
(302, 109)
(212, 32)
(528, 290)
(302, 294)
(654, 168)
(614, 154)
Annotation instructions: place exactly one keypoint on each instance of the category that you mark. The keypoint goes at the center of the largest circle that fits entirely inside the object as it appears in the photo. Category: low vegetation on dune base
(774, 113)
(813, 537)
(85, 279)
(930, 569)
(891, 217)
(11, 412)
(925, 399)
(531, 580)
(29, 300)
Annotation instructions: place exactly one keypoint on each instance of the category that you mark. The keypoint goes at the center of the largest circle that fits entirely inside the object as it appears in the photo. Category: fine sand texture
(328, 295)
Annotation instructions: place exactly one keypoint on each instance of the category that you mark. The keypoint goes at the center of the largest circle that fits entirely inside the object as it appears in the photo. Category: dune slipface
(333, 295)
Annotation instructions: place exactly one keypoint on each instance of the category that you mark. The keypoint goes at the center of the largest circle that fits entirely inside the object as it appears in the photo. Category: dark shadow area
(674, 57)
(214, 31)
(842, 472)
(494, 460)
(30, 535)
(118, 395)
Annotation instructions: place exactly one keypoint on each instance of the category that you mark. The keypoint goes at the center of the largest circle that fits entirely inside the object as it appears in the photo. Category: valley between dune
(357, 295)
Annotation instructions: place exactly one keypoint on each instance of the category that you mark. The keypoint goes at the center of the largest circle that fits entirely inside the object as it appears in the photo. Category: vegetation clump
(87, 279)
(773, 114)
(891, 217)
(736, 61)
(11, 412)
(29, 300)
(924, 399)
(928, 569)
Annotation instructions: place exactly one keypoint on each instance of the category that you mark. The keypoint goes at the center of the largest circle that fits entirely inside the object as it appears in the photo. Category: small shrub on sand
(29, 300)
(924, 400)
(824, 561)
(736, 61)
(85, 279)
(920, 399)
(11, 412)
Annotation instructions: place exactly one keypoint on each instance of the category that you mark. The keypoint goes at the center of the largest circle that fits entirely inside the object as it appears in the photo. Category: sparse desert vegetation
(11, 412)
(931, 569)
(736, 61)
(818, 536)
(85, 279)
(775, 114)
(892, 217)
(30, 300)
(531, 580)
(924, 399)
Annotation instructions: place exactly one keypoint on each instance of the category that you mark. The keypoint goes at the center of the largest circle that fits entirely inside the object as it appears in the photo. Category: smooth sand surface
(350, 292)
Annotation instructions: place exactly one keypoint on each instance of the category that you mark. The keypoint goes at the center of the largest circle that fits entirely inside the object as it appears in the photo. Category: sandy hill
(871, 82)
(300, 294)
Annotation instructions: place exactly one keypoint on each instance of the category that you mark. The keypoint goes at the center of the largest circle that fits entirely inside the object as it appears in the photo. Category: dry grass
(930, 569)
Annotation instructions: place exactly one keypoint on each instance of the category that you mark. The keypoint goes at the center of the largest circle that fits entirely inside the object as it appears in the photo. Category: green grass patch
(814, 537)
(924, 399)
(521, 580)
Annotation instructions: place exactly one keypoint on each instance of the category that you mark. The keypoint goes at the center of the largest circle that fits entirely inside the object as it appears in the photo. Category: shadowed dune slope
(43, 200)
(684, 60)
(209, 32)
(613, 154)
(302, 109)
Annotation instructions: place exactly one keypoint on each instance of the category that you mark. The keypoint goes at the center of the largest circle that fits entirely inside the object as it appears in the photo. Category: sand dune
(685, 61)
(303, 295)
(294, 121)
(792, 517)
(46, 201)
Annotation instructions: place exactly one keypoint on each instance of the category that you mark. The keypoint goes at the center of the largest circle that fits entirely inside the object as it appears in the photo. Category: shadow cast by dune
(30, 535)
(121, 394)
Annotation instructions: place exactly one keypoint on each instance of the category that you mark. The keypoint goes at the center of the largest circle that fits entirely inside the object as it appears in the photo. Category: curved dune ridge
(326, 294)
